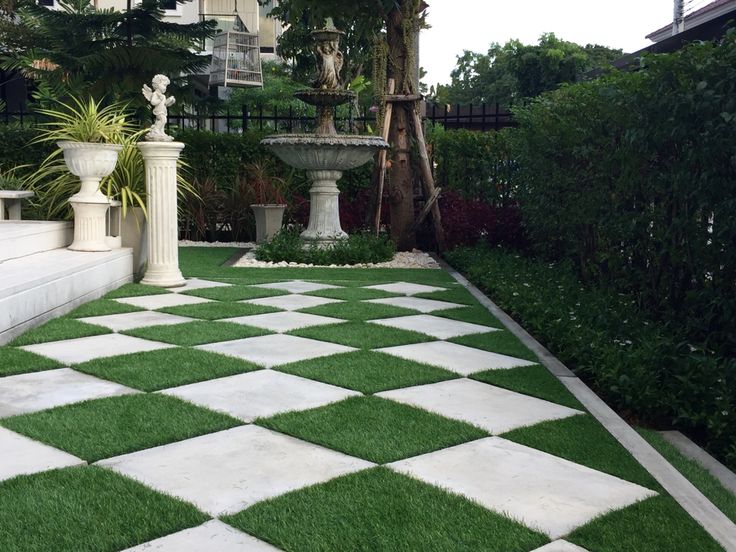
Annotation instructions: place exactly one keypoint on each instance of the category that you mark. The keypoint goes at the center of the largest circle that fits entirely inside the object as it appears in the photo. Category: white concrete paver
(405, 288)
(542, 491)
(20, 455)
(260, 394)
(284, 321)
(213, 536)
(275, 350)
(41, 390)
(225, 472)
(196, 283)
(82, 349)
(292, 302)
(436, 326)
(163, 300)
(560, 546)
(416, 303)
(132, 320)
(491, 408)
(297, 286)
(457, 358)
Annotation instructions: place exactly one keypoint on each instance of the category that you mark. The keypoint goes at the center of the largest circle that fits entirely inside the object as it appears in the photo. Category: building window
(47, 3)
(168, 5)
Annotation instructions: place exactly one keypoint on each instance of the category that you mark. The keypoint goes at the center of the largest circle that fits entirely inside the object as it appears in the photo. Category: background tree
(514, 71)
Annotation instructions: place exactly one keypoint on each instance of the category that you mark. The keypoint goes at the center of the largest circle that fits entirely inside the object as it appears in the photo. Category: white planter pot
(90, 162)
(269, 219)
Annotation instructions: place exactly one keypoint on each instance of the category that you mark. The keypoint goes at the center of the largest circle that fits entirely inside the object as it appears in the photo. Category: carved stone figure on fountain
(329, 65)
(160, 103)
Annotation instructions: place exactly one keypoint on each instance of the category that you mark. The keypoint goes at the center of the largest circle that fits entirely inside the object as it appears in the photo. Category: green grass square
(162, 369)
(196, 333)
(373, 428)
(102, 307)
(656, 524)
(356, 310)
(58, 329)
(135, 290)
(218, 309)
(581, 439)
(367, 371)
(502, 342)
(235, 293)
(456, 294)
(87, 509)
(530, 380)
(103, 428)
(17, 361)
(362, 335)
(378, 510)
(352, 294)
(474, 315)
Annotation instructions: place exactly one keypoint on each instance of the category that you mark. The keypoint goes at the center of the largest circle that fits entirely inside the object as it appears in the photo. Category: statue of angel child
(157, 98)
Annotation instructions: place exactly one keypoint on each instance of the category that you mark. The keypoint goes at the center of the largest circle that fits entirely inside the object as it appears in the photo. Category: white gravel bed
(404, 259)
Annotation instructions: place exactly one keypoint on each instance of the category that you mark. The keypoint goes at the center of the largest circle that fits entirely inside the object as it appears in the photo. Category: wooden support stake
(383, 154)
(425, 210)
(428, 181)
(391, 98)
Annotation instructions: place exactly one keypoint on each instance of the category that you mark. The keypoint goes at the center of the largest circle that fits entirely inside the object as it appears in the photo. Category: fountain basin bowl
(324, 153)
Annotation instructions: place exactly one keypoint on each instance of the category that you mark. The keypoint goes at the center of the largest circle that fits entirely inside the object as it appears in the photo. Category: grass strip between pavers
(196, 333)
(502, 342)
(375, 429)
(367, 371)
(17, 361)
(235, 293)
(474, 315)
(102, 307)
(59, 329)
(135, 290)
(362, 335)
(103, 428)
(218, 310)
(86, 509)
(378, 510)
(352, 294)
(166, 368)
(357, 310)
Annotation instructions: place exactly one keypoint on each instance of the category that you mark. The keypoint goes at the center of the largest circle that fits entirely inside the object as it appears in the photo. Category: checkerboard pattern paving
(229, 471)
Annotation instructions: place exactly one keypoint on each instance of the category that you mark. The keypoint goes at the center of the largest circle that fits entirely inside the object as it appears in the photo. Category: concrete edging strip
(692, 451)
(715, 522)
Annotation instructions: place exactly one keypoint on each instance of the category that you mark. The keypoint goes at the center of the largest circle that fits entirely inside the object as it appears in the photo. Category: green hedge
(17, 148)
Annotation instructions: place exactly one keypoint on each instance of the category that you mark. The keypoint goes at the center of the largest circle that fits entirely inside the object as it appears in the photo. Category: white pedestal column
(324, 209)
(163, 225)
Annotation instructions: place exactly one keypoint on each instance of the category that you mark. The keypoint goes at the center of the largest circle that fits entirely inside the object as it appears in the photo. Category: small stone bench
(11, 200)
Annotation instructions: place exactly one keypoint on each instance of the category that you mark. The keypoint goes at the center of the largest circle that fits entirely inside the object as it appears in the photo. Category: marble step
(19, 238)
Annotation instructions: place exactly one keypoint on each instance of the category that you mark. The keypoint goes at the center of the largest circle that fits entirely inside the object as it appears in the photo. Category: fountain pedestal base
(324, 210)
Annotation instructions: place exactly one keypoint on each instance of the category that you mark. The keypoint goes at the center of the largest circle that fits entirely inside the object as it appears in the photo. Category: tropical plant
(269, 189)
(85, 121)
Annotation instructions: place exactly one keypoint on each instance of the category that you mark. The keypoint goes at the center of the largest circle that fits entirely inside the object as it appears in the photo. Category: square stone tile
(292, 302)
(274, 350)
(20, 455)
(260, 394)
(297, 286)
(82, 349)
(544, 492)
(153, 302)
(494, 409)
(436, 326)
(458, 358)
(131, 320)
(416, 303)
(41, 390)
(560, 546)
(213, 536)
(225, 472)
(405, 288)
(282, 322)
(196, 283)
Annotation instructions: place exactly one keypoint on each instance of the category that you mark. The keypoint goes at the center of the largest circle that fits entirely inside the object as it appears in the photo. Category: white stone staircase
(41, 279)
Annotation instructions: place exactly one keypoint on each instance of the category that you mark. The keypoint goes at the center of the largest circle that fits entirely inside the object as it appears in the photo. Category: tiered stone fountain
(325, 155)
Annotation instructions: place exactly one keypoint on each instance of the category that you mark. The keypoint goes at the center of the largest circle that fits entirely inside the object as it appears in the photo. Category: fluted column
(163, 224)
(324, 209)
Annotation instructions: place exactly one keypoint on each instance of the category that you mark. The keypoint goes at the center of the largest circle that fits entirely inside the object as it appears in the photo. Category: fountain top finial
(328, 33)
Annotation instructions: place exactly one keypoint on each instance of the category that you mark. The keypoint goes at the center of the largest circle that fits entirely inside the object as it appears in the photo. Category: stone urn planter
(91, 162)
(269, 219)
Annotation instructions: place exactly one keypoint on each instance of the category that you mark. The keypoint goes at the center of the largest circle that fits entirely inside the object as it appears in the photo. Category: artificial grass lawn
(102, 307)
(102, 428)
(58, 329)
(656, 524)
(86, 510)
(355, 310)
(455, 294)
(375, 429)
(379, 510)
(162, 369)
(472, 314)
(352, 294)
(362, 335)
(723, 499)
(530, 380)
(17, 361)
(196, 333)
(217, 310)
(135, 290)
(367, 371)
(502, 342)
(581, 439)
(235, 293)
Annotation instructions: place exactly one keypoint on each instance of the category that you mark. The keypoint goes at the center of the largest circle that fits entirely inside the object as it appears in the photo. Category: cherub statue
(157, 98)
(329, 64)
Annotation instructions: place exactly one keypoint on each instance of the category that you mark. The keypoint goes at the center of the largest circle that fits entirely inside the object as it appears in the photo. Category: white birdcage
(236, 57)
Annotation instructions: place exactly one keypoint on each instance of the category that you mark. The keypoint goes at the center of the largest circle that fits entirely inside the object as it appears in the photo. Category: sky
(458, 25)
